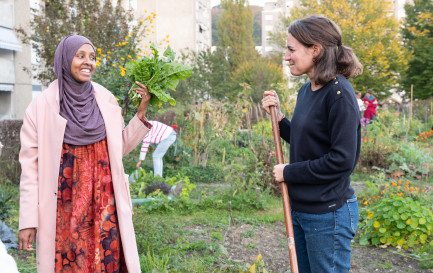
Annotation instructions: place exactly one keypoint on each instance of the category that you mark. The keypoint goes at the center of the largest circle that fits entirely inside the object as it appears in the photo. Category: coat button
(338, 92)
(336, 82)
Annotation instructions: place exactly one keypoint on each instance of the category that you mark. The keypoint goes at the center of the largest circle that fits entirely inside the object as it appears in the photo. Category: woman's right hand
(270, 98)
(26, 237)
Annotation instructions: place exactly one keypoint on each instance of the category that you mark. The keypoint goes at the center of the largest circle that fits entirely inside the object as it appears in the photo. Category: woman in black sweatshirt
(325, 141)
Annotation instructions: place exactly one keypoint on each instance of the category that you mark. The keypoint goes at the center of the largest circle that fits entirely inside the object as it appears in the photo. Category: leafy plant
(397, 221)
(152, 262)
(157, 75)
(5, 205)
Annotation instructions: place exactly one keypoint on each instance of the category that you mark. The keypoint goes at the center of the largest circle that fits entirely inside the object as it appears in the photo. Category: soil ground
(245, 242)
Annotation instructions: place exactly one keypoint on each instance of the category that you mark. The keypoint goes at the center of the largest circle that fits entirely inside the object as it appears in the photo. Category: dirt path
(245, 242)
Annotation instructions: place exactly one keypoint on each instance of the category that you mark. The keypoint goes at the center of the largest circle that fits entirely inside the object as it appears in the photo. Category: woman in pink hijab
(73, 190)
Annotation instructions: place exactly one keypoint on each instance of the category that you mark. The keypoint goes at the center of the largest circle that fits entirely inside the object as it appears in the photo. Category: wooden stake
(285, 195)
(411, 102)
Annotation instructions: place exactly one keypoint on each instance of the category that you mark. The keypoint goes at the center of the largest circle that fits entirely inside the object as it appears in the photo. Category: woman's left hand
(145, 98)
(278, 172)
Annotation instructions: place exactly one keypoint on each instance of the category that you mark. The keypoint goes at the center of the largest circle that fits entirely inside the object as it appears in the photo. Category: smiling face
(84, 63)
(299, 57)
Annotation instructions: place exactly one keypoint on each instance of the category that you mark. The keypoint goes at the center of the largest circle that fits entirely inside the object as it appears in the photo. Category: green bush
(397, 221)
(5, 205)
(198, 174)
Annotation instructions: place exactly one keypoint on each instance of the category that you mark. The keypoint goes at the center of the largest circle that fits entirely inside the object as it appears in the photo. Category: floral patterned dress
(87, 230)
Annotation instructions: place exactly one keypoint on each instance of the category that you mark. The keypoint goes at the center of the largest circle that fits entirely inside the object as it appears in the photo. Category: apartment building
(15, 80)
(187, 22)
(271, 16)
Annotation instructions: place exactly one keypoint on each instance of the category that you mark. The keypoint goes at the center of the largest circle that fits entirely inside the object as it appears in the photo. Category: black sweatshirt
(325, 142)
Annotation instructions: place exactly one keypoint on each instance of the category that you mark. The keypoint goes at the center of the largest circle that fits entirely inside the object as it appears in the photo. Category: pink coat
(41, 145)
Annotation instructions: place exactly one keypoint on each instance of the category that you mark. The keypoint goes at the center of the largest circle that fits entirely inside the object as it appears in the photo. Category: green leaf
(422, 221)
(169, 53)
(363, 241)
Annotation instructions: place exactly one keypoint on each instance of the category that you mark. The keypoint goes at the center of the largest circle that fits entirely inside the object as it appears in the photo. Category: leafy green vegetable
(157, 74)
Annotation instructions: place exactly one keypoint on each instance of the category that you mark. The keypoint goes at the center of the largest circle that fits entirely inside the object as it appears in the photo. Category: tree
(260, 74)
(210, 78)
(418, 37)
(369, 29)
(235, 31)
(104, 24)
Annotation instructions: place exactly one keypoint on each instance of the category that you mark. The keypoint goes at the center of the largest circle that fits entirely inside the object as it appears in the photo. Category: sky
(252, 2)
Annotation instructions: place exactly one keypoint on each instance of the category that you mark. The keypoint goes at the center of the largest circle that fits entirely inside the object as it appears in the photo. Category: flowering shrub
(397, 221)
(398, 216)
(425, 137)
(111, 71)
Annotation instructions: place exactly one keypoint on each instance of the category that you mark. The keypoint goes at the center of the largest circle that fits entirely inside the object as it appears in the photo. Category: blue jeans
(323, 240)
(159, 153)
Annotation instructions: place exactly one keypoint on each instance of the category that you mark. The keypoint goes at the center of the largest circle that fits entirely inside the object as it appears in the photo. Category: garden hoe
(285, 195)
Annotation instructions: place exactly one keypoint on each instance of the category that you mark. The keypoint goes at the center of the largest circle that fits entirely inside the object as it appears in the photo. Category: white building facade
(15, 60)
(187, 22)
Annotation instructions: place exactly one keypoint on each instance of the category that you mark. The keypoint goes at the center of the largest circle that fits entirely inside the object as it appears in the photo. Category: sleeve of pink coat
(29, 174)
(133, 134)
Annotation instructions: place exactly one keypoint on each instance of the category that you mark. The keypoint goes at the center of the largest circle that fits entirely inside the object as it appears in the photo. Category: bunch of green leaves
(397, 221)
(157, 74)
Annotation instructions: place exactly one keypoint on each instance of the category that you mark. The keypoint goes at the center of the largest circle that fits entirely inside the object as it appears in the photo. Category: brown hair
(334, 58)
(370, 91)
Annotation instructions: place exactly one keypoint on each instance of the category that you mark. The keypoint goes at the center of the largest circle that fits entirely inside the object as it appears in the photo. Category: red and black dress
(87, 229)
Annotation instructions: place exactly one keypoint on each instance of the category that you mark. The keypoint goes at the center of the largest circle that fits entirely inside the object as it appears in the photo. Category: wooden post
(411, 102)
(285, 195)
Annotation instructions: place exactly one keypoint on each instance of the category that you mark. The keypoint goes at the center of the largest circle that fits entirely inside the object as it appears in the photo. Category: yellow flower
(376, 224)
(122, 73)
(253, 268)
(174, 89)
(98, 63)
(117, 98)
(141, 22)
(122, 58)
(365, 202)
(259, 257)
(129, 56)
(168, 36)
(108, 52)
(113, 65)
(99, 50)
(108, 57)
(159, 105)
(97, 58)
(126, 37)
